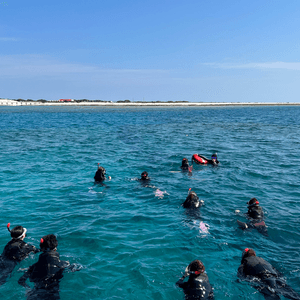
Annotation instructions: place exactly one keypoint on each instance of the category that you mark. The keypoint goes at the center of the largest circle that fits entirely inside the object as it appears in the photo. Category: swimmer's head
(144, 175)
(48, 242)
(196, 267)
(101, 169)
(185, 161)
(192, 195)
(214, 156)
(253, 202)
(247, 253)
(191, 201)
(17, 232)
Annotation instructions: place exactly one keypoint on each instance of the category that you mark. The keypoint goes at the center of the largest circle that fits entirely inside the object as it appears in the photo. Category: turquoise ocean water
(130, 243)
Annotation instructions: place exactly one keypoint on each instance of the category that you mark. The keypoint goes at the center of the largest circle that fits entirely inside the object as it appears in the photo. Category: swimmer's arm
(22, 280)
(30, 248)
(240, 272)
(181, 282)
(64, 264)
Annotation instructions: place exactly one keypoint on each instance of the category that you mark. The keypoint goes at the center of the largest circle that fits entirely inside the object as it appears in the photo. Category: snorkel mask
(214, 156)
(254, 202)
(197, 264)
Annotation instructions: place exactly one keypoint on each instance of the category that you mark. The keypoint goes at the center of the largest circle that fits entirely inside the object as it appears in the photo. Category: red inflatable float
(199, 159)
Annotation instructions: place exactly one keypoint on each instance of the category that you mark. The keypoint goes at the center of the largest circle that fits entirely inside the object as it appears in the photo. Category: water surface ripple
(132, 244)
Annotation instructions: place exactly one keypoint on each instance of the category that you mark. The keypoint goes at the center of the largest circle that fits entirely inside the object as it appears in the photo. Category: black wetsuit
(100, 175)
(197, 287)
(271, 284)
(184, 166)
(14, 252)
(45, 274)
(256, 214)
(211, 162)
(192, 202)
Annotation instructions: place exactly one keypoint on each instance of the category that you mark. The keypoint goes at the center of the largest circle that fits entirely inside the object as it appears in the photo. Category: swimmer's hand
(74, 267)
(186, 272)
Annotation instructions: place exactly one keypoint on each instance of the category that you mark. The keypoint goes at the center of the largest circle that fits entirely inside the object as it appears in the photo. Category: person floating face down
(264, 277)
(192, 201)
(256, 215)
(14, 252)
(197, 286)
(47, 272)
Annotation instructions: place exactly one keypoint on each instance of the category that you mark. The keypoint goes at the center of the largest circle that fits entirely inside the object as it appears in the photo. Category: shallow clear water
(131, 243)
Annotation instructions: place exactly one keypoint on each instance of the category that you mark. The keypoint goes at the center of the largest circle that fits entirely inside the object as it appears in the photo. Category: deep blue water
(130, 243)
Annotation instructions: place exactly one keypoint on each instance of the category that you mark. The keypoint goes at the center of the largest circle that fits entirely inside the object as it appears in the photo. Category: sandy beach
(8, 102)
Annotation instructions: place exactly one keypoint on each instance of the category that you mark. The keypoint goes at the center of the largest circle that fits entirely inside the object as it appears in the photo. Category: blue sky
(210, 51)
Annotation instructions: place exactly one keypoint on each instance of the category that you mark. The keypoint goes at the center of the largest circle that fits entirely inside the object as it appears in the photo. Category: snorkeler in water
(264, 277)
(144, 176)
(100, 174)
(184, 164)
(256, 215)
(202, 160)
(197, 286)
(47, 272)
(192, 200)
(14, 252)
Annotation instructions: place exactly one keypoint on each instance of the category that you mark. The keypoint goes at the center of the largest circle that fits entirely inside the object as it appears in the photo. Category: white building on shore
(8, 102)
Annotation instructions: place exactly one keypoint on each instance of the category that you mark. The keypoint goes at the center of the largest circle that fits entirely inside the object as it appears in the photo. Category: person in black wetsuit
(192, 201)
(46, 273)
(144, 176)
(197, 286)
(100, 174)
(14, 252)
(256, 215)
(213, 161)
(185, 164)
(264, 277)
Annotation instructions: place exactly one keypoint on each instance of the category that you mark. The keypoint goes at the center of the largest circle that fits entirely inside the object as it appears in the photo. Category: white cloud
(37, 65)
(266, 65)
(8, 39)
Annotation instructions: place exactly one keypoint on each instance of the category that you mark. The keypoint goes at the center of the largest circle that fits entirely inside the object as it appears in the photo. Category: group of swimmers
(48, 270)
(45, 273)
(261, 274)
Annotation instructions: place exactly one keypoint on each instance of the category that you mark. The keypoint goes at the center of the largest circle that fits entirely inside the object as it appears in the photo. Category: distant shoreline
(7, 102)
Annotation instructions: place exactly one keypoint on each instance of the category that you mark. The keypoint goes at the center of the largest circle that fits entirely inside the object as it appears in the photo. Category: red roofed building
(66, 100)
